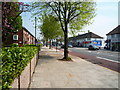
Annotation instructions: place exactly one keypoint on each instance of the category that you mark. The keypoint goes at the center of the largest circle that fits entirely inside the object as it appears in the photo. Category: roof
(86, 35)
(115, 31)
(27, 31)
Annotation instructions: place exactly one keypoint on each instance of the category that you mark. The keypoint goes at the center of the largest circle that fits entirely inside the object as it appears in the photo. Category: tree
(75, 14)
(50, 28)
(11, 19)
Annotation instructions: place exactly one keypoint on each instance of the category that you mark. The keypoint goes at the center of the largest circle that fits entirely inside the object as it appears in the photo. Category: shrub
(14, 45)
(14, 60)
(38, 45)
(29, 45)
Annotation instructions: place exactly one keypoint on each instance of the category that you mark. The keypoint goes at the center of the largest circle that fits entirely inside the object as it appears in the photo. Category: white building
(113, 39)
(84, 40)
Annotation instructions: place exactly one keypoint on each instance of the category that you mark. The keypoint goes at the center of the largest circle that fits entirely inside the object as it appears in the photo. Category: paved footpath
(52, 73)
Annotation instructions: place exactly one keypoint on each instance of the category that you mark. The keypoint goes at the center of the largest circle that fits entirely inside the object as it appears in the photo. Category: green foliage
(50, 27)
(40, 45)
(14, 45)
(11, 20)
(33, 45)
(13, 17)
(69, 59)
(71, 15)
(87, 13)
(76, 14)
(14, 60)
(29, 45)
(18, 23)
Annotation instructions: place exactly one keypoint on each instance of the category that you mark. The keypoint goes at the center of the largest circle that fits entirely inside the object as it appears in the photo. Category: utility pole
(35, 30)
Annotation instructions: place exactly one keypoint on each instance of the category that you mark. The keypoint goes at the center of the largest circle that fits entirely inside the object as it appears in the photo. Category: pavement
(79, 73)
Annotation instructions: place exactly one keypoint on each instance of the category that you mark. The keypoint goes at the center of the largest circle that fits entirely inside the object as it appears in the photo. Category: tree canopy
(50, 28)
(71, 15)
(11, 19)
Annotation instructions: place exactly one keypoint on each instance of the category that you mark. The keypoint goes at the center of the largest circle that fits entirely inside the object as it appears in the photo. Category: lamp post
(35, 30)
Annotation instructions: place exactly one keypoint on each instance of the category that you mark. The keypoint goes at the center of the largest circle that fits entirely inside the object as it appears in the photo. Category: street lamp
(35, 30)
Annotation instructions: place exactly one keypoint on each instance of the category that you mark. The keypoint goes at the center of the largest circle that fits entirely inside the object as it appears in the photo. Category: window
(117, 35)
(15, 37)
(113, 36)
(88, 38)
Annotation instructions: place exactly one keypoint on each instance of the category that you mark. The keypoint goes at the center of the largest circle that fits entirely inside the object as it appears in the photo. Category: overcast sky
(105, 20)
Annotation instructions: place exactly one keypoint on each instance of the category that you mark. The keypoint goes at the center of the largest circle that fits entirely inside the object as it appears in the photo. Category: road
(102, 57)
(103, 54)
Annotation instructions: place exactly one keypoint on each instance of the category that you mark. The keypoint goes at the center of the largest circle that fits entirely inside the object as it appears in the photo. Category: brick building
(21, 37)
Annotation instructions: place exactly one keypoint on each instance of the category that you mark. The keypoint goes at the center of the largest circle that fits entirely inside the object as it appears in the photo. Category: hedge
(14, 60)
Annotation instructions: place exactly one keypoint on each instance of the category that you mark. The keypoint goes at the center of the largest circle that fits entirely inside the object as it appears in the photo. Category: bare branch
(77, 15)
(60, 18)
(53, 8)
(74, 16)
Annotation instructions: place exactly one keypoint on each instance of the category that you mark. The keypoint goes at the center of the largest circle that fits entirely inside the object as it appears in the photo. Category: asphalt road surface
(102, 54)
(105, 58)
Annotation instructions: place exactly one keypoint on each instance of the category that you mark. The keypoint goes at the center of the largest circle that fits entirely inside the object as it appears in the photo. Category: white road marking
(108, 59)
(111, 55)
(89, 51)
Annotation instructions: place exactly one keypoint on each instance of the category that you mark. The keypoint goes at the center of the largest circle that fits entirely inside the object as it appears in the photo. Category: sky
(106, 19)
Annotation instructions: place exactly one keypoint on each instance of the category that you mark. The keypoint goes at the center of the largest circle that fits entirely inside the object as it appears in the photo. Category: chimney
(88, 31)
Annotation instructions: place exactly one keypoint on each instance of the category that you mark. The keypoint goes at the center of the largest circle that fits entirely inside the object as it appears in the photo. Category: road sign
(97, 42)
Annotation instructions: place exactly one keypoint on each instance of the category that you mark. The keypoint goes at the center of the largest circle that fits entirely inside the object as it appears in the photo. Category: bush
(14, 60)
(38, 45)
(14, 45)
(29, 45)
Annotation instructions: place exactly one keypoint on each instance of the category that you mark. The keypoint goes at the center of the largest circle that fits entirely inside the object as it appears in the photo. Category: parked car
(105, 47)
(62, 46)
(93, 47)
(70, 46)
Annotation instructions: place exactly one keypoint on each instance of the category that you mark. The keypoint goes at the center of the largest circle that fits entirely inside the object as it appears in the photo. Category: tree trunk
(66, 42)
(50, 45)
(46, 43)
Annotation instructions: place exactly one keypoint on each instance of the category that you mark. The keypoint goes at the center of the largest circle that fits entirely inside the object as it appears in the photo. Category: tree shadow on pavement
(46, 57)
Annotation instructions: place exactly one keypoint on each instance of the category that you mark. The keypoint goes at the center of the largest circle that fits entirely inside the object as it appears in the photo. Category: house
(21, 37)
(113, 39)
(84, 40)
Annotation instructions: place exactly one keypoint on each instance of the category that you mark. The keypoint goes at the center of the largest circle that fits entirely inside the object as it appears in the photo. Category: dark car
(93, 47)
(70, 46)
(62, 46)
